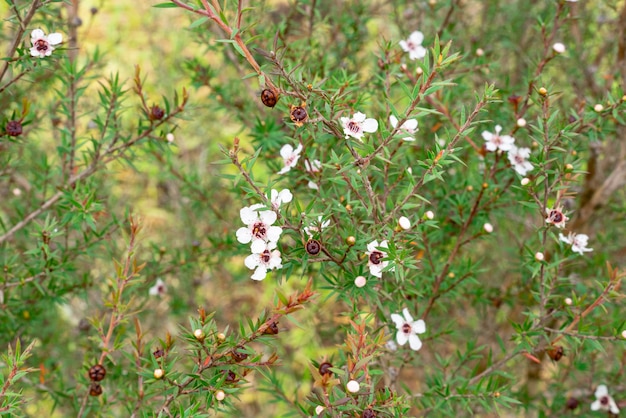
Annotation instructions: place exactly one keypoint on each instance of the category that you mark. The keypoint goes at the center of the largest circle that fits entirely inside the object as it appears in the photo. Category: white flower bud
(419, 71)
(521, 122)
(199, 334)
(319, 409)
(539, 256)
(488, 227)
(360, 281)
(158, 373)
(430, 214)
(353, 386)
(624, 333)
(525, 181)
(170, 137)
(568, 301)
(558, 47)
(598, 108)
(404, 222)
(17, 191)
(220, 395)
(480, 52)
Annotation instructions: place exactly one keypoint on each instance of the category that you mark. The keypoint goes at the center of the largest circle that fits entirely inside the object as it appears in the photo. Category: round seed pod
(313, 247)
(239, 356)
(231, 377)
(156, 113)
(298, 114)
(95, 389)
(556, 353)
(158, 353)
(269, 97)
(13, 128)
(324, 368)
(272, 329)
(97, 372)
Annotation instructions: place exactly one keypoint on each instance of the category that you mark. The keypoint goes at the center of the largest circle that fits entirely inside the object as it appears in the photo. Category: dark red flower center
(406, 328)
(604, 400)
(555, 216)
(266, 256)
(259, 230)
(41, 45)
(376, 257)
(354, 127)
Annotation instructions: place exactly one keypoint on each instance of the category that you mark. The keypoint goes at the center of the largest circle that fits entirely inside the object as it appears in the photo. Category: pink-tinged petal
(595, 406)
(344, 121)
(410, 125)
(37, 34)
(370, 125)
(259, 273)
(404, 45)
(35, 53)
(273, 233)
(286, 151)
(298, 149)
(417, 37)
(564, 239)
(252, 261)
(401, 338)
(601, 391)
(244, 235)
(398, 320)
(267, 216)
(55, 38)
(359, 117)
(257, 246)
(415, 342)
(393, 121)
(491, 147)
(407, 316)
(487, 136)
(313, 185)
(419, 326)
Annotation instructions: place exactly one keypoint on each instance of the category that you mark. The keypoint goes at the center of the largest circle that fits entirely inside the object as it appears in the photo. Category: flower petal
(258, 246)
(252, 261)
(415, 342)
(55, 38)
(268, 216)
(410, 125)
(273, 233)
(244, 235)
(286, 151)
(398, 320)
(419, 326)
(359, 117)
(37, 34)
(417, 37)
(370, 125)
(401, 338)
(407, 315)
(259, 273)
(393, 121)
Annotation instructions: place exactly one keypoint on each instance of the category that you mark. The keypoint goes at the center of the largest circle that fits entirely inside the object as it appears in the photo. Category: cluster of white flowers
(517, 156)
(262, 234)
(578, 242)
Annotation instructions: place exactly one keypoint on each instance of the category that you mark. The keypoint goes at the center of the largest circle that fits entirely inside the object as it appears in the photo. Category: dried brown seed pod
(556, 353)
(156, 113)
(97, 372)
(231, 377)
(298, 114)
(13, 128)
(324, 368)
(239, 356)
(270, 97)
(95, 389)
(313, 247)
(158, 353)
(272, 329)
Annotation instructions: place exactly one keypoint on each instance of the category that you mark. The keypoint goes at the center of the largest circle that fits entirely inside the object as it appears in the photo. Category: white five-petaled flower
(258, 229)
(357, 125)
(556, 217)
(375, 258)
(317, 227)
(577, 241)
(413, 45)
(43, 45)
(278, 198)
(409, 126)
(263, 259)
(495, 141)
(408, 329)
(604, 401)
(159, 288)
(290, 157)
(519, 159)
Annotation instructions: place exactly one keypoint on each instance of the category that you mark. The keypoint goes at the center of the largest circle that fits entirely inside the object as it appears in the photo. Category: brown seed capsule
(556, 353)
(313, 247)
(572, 403)
(231, 377)
(97, 372)
(298, 114)
(156, 113)
(239, 356)
(95, 389)
(13, 128)
(158, 353)
(368, 413)
(269, 97)
(324, 369)
(272, 329)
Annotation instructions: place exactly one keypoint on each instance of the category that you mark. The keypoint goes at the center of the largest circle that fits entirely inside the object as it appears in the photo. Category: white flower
(556, 217)
(43, 45)
(404, 222)
(375, 258)
(577, 241)
(408, 329)
(409, 126)
(314, 166)
(497, 142)
(413, 45)
(558, 47)
(159, 288)
(278, 198)
(290, 157)
(317, 227)
(519, 159)
(353, 386)
(268, 258)
(357, 125)
(258, 229)
(604, 401)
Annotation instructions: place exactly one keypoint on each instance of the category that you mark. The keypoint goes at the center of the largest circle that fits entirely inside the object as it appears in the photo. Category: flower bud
(598, 108)
(543, 91)
(360, 281)
(170, 137)
(220, 395)
(319, 409)
(351, 240)
(199, 334)
(539, 256)
(624, 334)
(158, 373)
(480, 52)
(353, 386)
(221, 337)
(404, 222)
(430, 214)
(521, 122)
(525, 181)
(488, 227)
(156, 113)
(558, 47)
(568, 301)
